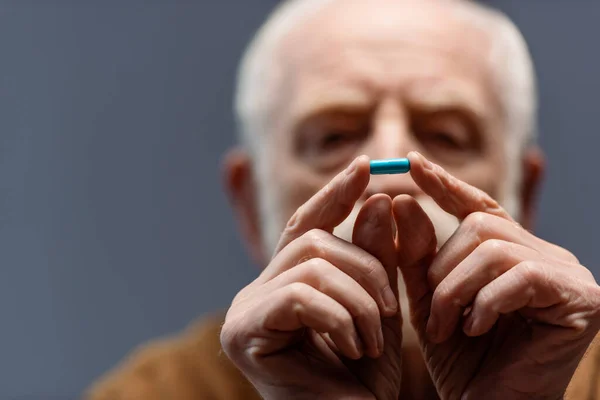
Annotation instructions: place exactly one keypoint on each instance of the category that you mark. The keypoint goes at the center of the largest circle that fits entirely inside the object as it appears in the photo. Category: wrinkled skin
(496, 311)
(499, 312)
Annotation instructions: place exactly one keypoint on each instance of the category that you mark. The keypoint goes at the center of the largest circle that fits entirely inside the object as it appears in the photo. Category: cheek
(296, 188)
(487, 175)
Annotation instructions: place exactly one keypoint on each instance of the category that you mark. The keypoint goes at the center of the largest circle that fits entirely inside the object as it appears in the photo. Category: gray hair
(509, 57)
(260, 70)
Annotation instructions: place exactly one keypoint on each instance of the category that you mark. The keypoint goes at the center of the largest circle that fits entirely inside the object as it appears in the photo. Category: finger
(331, 205)
(451, 194)
(415, 233)
(332, 282)
(530, 284)
(416, 244)
(458, 290)
(298, 306)
(478, 228)
(327, 339)
(373, 232)
(363, 267)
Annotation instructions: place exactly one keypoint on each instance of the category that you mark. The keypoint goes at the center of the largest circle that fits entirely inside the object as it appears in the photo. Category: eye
(332, 140)
(329, 140)
(447, 137)
(444, 139)
(330, 147)
(446, 131)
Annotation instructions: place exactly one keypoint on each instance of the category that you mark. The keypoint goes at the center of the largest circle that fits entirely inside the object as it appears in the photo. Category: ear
(240, 184)
(534, 165)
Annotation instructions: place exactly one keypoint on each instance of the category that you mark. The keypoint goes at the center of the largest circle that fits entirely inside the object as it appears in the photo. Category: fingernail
(432, 328)
(389, 299)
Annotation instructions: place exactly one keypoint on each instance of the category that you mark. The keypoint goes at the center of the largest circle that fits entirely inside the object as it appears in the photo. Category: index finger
(451, 194)
(329, 206)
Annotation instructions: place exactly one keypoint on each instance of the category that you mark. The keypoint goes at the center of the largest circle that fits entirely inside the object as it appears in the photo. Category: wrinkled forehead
(384, 42)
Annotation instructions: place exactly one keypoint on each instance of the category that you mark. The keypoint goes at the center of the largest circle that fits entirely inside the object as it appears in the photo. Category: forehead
(355, 49)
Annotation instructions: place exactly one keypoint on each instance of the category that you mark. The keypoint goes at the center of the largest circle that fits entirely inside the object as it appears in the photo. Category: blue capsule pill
(390, 166)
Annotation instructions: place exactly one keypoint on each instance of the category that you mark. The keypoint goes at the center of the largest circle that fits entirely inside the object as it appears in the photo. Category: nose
(391, 138)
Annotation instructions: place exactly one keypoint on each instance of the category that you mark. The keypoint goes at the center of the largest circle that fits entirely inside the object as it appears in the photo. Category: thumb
(416, 246)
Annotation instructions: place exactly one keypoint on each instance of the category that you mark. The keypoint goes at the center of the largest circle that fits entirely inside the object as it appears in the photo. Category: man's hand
(301, 329)
(501, 314)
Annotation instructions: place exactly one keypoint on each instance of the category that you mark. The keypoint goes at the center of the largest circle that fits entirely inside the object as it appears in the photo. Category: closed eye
(330, 140)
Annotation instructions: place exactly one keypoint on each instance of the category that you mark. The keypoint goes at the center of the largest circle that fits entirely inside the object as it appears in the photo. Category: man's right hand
(303, 327)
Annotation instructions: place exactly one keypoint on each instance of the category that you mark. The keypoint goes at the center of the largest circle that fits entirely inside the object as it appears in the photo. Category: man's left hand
(500, 313)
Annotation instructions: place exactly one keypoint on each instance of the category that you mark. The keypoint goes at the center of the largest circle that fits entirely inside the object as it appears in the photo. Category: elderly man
(490, 310)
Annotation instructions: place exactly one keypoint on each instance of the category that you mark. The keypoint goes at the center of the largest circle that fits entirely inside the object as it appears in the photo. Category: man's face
(383, 79)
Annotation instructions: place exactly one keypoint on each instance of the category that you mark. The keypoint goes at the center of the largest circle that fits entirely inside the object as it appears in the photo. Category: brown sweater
(192, 366)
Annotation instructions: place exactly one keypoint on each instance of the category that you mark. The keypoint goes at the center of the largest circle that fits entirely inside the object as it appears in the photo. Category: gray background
(113, 119)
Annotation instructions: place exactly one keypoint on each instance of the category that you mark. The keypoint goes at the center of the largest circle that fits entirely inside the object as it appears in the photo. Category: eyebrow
(431, 97)
(341, 99)
(447, 95)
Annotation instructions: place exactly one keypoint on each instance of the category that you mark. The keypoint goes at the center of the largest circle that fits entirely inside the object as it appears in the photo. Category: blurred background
(114, 228)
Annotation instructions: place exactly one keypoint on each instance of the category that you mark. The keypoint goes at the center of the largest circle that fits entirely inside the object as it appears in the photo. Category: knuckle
(443, 296)
(532, 272)
(367, 311)
(296, 293)
(313, 265)
(373, 269)
(568, 256)
(310, 269)
(230, 337)
(494, 248)
(314, 241)
(586, 274)
(317, 273)
(475, 227)
(477, 221)
(314, 235)
(226, 335)
(341, 321)
(243, 295)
